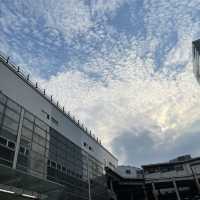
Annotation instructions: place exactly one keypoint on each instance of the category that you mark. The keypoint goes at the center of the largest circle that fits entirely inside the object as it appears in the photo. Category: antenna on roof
(36, 85)
(44, 91)
(7, 60)
(17, 68)
(63, 109)
(28, 76)
(51, 98)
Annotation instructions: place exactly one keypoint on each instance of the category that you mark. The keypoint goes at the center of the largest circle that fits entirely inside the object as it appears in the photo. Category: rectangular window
(40, 132)
(11, 114)
(41, 124)
(37, 148)
(21, 150)
(11, 145)
(53, 164)
(10, 125)
(29, 116)
(27, 133)
(28, 124)
(54, 121)
(13, 106)
(39, 140)
(3, 141)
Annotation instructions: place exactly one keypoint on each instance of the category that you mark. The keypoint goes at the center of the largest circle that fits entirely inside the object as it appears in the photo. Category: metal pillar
(132, 196)
(155, 193)
(176, 189)
(196, 180)
(145, 193)
(18, 139)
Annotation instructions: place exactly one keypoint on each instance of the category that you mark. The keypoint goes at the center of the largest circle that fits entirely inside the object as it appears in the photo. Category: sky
(122, 67)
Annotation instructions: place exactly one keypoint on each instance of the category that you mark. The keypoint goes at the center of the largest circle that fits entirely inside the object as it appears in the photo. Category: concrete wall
(18, 90)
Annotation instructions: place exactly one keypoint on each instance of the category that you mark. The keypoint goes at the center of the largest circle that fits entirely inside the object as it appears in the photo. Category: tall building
(196, 59)
(44, 152)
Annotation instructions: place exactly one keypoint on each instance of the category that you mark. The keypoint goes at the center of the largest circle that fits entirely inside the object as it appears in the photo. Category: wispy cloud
(132, 88)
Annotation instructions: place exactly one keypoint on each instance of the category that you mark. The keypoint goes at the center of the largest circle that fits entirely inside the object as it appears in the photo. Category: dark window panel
(11, 145)
(3, 141)
(21, 150)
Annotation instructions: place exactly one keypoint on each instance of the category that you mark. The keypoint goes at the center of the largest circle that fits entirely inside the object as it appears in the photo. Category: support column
(17, 146)
(196, 180)
(155, 192)
(145, 193)
(176, 189)
(132, 196)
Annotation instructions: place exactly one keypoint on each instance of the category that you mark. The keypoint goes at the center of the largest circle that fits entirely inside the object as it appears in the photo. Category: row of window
(61, 168)
(7, 143)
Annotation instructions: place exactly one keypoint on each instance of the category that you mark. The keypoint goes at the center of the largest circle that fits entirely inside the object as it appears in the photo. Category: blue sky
(123, 67)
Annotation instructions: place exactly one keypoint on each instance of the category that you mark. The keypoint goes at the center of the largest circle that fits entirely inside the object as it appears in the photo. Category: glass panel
(21, 150)
(37, 148)
(39, 140)
(40, 132)
(12, 114)
(27, 133)
(13, 106)
(10, 125)
(37, 162)
(41, 124)
(11, 145)
(28, 124)
(29, 116)
(3, 141)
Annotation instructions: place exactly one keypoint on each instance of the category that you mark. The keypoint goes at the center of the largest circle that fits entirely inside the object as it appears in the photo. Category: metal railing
(35, 85)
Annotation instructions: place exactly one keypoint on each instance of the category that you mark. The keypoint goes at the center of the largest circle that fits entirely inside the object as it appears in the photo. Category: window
(21, 150)
(54, 121)
(53, 164)
(3, 141)
(41, 124)
(10, 125)
(11, 145)
(179, 168)
(63, 169)
(58, 166)
(13, 106)
(29, 116)
(27, 152)
(11, 114)
(128, 171)
(27, 133)
(40, 132)
(27, 124)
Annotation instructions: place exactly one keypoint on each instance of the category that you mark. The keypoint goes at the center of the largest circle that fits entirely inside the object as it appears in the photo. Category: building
(44, 152)
(176, 179)
(196, 59)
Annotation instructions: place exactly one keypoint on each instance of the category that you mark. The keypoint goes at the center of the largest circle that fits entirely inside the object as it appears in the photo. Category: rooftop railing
(35, 85)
